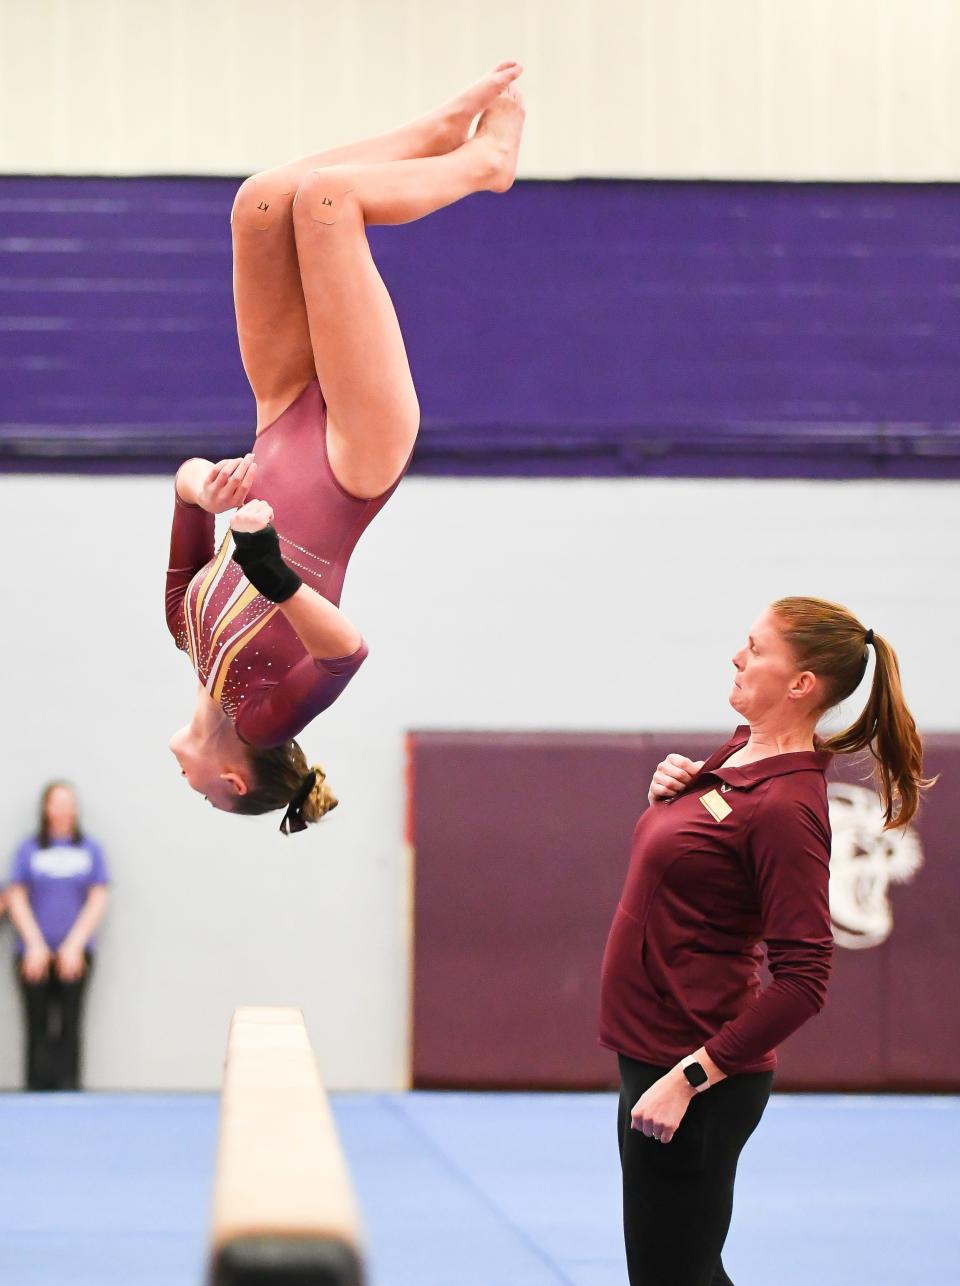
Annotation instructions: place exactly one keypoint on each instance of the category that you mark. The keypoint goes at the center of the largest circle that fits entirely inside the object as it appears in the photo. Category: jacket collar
(748, 775)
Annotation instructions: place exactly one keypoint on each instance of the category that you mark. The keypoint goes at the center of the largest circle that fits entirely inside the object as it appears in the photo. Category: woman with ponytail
(734, 852)
(337, 418)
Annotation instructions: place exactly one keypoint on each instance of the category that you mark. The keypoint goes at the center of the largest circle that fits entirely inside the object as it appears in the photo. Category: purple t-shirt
(57, 880)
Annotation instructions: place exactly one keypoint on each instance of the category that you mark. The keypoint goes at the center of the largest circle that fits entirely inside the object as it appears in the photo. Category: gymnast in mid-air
(337, 418)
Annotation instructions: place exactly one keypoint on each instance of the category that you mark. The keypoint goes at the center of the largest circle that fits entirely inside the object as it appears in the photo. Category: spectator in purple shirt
(57, 896)
(734, 852)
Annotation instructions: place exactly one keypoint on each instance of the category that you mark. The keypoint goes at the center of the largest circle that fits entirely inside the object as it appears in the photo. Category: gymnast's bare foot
(454, 118)
(498, 132)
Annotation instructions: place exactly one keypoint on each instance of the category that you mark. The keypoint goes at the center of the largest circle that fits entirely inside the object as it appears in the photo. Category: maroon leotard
(245, 653)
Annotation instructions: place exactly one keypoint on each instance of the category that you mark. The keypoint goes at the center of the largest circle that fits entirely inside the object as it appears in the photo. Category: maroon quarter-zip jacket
(740, 857)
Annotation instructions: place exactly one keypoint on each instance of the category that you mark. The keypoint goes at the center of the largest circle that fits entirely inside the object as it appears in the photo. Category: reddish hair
(830, 642)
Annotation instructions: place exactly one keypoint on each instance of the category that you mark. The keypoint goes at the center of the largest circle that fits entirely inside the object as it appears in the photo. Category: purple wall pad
(607, 328)
(521, 844)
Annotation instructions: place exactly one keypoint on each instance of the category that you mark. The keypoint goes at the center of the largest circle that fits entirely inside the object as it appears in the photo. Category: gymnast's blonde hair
(278, 773)
(321, 799)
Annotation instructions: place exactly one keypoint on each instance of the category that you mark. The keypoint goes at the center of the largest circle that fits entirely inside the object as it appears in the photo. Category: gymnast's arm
(202, 490)
(334, 653)
(334, 649)
(281, 711)
(322, 628)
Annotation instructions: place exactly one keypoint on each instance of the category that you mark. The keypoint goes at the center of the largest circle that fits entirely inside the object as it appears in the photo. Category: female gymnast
(731, 852)
(337, 418)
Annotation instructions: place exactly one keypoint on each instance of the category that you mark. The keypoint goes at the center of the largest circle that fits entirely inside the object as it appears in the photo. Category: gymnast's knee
(263, 201)
(328, 197)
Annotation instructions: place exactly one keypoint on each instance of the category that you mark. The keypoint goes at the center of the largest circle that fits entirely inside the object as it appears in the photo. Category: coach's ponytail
(831, 643)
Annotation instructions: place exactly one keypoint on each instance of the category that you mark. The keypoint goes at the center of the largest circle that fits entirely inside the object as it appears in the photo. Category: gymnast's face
(768, 686)
(215, 770)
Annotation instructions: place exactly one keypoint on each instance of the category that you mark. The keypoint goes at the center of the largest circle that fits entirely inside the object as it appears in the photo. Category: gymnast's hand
(254, 516)
(227, 484)
(673, 773)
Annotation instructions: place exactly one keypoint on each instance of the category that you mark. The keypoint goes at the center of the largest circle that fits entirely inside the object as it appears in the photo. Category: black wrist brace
(258, 553)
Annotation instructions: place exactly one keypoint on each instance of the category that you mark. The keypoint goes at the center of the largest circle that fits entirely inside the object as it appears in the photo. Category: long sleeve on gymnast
(271, 716)
(789, 850)
(191, 547)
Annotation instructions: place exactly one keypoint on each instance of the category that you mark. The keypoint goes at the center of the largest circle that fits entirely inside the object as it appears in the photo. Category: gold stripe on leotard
(185, 608)
(217, 564)
(243, 601)
(227, 660)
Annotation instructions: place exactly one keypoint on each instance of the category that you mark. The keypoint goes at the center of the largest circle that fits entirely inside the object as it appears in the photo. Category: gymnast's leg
(272, 324)
(358, 350)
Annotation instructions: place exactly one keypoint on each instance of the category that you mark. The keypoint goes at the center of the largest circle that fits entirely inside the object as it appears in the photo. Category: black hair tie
(868, 637)
(293, 817)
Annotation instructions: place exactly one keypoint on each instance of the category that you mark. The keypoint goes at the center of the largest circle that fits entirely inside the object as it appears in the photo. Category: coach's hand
(658, 1112)
(227, 485)
(254, 516)
(673, 773)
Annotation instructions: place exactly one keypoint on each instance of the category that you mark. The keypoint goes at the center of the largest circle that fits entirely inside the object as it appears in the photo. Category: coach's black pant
(52, 1010)
(678, 1196)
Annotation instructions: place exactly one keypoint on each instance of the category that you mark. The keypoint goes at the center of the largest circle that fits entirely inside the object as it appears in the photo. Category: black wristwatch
(695, 1074)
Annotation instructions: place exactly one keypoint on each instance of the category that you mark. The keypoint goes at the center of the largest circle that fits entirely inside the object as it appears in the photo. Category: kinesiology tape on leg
(258, 553)
(325, 193)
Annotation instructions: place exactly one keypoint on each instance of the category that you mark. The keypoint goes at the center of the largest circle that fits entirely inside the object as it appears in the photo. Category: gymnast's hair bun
(321, 799)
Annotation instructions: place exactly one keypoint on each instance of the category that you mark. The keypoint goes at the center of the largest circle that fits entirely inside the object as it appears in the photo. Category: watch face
(695, 1075)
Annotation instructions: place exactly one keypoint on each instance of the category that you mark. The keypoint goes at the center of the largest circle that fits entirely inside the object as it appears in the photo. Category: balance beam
(283, 1208)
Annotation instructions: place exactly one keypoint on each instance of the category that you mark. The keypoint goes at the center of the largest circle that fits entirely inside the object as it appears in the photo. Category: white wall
(829, 89)
(487, 604)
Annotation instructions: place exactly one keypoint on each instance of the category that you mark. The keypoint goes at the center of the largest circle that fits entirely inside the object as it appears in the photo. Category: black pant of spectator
(678, 1196)
(52, 1010)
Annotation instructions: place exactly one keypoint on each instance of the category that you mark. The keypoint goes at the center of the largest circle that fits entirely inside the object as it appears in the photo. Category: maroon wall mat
(521, 843)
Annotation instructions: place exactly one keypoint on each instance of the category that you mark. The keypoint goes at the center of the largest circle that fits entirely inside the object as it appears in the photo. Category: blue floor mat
(483, 1190)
